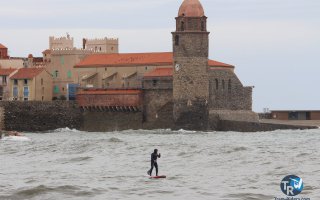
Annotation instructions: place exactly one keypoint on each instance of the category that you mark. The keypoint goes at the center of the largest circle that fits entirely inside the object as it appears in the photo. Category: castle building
(104, 45)
(183, 89)
(61, 43)
(62, 56)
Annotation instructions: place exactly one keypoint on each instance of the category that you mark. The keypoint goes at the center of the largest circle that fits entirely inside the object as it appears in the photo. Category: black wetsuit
(154, 163)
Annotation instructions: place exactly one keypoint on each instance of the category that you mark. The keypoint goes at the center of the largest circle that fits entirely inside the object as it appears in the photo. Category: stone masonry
(190, 77)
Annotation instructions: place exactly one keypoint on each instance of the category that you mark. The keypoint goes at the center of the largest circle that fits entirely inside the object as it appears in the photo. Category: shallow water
(69, 164)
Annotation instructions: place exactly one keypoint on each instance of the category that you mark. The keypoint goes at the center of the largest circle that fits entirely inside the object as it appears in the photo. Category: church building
(180, 90)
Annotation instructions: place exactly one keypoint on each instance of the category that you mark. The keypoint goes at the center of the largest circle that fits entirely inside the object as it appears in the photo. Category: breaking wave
(16, 138)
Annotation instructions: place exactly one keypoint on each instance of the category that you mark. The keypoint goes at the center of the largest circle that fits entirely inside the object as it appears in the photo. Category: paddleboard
(158, 177)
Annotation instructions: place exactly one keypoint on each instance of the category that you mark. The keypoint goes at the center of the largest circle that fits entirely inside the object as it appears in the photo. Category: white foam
(66, 130)
(16, 138)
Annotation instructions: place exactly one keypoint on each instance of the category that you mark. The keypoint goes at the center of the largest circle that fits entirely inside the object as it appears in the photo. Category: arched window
(100, 49)
(217, 84)
(177, 40)
(223, 85)
(182, 26)
(229, 86)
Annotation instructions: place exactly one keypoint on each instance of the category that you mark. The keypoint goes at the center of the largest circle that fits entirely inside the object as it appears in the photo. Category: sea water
(69, 164)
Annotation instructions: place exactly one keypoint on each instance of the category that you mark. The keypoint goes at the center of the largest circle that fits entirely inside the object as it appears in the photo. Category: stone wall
(239, 126)
(44, 116)
(227, 92)
(235, 115)
(40, 116)
(2, 118)
(95, 121)
(154, 101)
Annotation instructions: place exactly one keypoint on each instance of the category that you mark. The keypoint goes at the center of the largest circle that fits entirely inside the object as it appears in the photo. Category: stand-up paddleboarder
(154, 157)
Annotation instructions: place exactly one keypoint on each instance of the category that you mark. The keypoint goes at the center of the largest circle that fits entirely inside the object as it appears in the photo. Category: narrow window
(223, 85)
(42, 81)
(15, 92)
(203, 27)
(217, 84)
(56, 89)
(25, 92)
(229, 86)
(15, 82)
(56, 74)
(177, 40)
(182, 26)
(25, 81)
(4, 80)
(62, 60)
(154, 83)
(100, 49)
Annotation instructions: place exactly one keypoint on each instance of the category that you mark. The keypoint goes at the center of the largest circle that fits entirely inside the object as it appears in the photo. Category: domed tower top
(191, 8)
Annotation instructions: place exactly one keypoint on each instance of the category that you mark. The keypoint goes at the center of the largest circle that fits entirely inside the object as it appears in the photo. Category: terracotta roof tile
(213, 63)
(7, 72)
(133, 59)
(27, 73)
(47, 51)
(160, 72)
(126, 59)
(2, 46)
(108, 92)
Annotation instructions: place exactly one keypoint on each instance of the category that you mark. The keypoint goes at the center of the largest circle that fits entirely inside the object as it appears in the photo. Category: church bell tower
(190, 77)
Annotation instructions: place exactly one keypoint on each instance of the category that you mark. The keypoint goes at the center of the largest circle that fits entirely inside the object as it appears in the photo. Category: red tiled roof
(160, 72)
(37, 59)
(213, 63)
(27, 73)
(2, 46)
(133, 59)
(6, 72)
(126, 59)
(47, 51)
(108, 92)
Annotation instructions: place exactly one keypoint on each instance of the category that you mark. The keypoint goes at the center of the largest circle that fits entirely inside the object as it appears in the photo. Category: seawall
(45, 116)
(39, 116)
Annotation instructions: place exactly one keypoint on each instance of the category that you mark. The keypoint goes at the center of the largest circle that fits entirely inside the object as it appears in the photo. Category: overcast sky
(274, 44)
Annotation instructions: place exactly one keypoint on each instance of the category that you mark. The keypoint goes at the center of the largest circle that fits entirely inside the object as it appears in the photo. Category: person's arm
(159, 155)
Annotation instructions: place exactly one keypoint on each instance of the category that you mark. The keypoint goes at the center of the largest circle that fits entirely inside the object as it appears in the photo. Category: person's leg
(150, 171)
(156, 166)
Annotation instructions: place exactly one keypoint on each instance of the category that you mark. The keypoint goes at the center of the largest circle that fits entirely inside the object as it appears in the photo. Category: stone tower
(190, 77)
